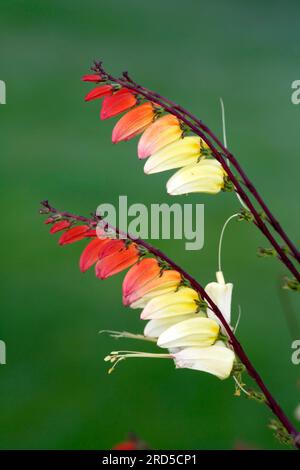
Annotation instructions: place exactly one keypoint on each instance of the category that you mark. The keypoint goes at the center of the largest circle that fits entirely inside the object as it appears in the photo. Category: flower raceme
(175, 320)
(164, 141)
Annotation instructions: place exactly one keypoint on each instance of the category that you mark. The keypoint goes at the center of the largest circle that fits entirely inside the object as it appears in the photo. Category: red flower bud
(92, 78)
(61, 225)
(99, 92)
(73, 234)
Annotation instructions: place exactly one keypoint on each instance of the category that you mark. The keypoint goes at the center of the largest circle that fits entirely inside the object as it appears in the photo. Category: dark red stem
(270, 400)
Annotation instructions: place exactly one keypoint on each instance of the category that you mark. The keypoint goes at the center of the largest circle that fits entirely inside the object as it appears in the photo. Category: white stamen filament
(116, 356)
(221, 240)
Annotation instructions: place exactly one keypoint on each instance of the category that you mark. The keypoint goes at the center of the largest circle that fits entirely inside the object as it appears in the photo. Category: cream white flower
(206, 176)
(220, 293)
(217, 359)
(194, 332)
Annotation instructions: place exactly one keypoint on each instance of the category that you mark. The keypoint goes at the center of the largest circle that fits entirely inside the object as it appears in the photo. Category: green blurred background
(55, 392)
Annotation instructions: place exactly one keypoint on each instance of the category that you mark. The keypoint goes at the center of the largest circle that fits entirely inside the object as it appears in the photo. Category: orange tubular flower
(99, 92)
(115, 256)
(92, 78)
(90, 254)
(117, 103)
(145, 280)
(133, 123)
(162, 132)
(74, 234)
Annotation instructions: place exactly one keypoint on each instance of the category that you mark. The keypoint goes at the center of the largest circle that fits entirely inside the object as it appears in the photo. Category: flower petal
(117, 103)
(207, 176)
(133, 123)
(217, 359)
(180, 153)
(161, 133)
(194, 332)
(99, 92)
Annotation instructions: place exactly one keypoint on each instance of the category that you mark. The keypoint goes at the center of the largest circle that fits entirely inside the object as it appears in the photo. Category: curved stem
(240, 352)
(176, 111)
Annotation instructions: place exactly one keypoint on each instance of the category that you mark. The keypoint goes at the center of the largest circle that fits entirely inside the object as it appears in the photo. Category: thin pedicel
(269, 399)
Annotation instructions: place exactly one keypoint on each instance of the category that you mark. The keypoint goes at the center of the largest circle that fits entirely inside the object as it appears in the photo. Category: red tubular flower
(117, 103)
(133, 123)
(115, 256)
(146, 279)
(61, 225)
(74, 234)
(99, 92)
(90, 254)
(161, 133)
(92, 78)
(126, 445)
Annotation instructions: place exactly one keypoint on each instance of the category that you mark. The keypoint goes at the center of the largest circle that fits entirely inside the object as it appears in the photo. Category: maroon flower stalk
(197, 127)
(240, 352)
